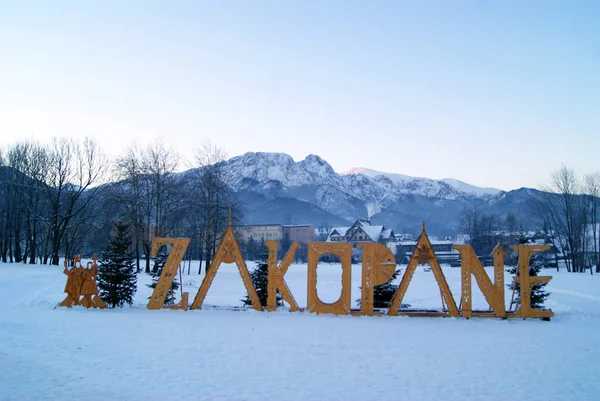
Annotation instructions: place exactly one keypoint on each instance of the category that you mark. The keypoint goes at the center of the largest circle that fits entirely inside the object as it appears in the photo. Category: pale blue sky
(494, 93)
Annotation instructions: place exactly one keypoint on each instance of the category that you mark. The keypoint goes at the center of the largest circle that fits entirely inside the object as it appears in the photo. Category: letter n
(470, 265)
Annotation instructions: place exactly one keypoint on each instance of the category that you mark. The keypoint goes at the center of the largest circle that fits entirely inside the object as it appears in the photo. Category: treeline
(566, 211)
(45, 192)
(64, 198)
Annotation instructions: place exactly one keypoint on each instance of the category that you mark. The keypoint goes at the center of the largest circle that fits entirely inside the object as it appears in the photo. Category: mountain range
(276, 189)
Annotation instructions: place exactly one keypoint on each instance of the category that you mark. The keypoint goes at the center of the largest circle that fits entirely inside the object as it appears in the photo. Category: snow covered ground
(137, 354)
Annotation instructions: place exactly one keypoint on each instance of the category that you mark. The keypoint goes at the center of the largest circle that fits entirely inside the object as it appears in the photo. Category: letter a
(227, 252)
(423, 253)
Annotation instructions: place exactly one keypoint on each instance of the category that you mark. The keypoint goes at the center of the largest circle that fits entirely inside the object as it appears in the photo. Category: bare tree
(31, 159)
(3, 207)
(13, 182)
(159, 164)
(73, 168)
(564, 211)
(128, 193)
(592, 182)
(214, 197)
(469, 220)
(148, 194)
(512, 226)
(480, 227)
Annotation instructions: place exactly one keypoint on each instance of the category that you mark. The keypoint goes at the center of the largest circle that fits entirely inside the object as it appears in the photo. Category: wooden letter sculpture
(344, 252)
(81, 282)
(526, 282)
(168, 273)
(424, 254)
(378, 266)
(227, 252)
(276, 280)
(493, 293)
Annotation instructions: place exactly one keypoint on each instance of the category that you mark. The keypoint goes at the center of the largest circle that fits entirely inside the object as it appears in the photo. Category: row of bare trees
(45, 194)
(566, 216)
(481, 228)
(568, 208)
(64, 198)
(157, 202)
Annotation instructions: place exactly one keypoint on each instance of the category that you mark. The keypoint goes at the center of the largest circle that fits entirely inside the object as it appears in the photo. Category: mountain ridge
(310, 191)
(458, 184)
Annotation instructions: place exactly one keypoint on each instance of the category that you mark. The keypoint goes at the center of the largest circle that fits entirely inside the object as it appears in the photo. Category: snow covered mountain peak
(316, 165)
(279, 170)
(265, 167)
(396, 178)
(409, 181)
(465, 187)
(275, 187)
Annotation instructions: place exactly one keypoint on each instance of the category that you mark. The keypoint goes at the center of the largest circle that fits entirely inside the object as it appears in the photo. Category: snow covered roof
(338, 231)
(375, 233)
(386, 234)
(297, 225)
(432, 242)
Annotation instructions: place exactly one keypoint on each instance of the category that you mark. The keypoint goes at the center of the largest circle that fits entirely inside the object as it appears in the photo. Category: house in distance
(362, 231)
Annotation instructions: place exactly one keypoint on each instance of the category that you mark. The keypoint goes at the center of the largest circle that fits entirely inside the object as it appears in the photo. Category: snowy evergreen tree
(157, 268)
(383, 294)
(537, 295)
(117, 280)
(260, 279)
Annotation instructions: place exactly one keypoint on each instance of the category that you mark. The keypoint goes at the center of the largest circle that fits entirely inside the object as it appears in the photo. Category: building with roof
(301, 233)
(444, 251)
(260, 232)
(362, 231)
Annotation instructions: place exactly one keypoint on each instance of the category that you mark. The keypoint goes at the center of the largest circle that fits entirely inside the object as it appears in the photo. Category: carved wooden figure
(494, 294)
(81, 282)
(423, 254)
(276, 279)
(378, 266)
(526, 282)
(168, 273)
(344, 252)
(227, 252)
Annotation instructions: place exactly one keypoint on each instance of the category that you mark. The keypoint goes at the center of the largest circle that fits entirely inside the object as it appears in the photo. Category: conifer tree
(117, 280)
(383, 294)
(159, 264)
(260, 279)
(537, 294)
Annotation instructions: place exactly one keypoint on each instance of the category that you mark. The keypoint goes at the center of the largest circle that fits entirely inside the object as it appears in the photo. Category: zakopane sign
(378, 265)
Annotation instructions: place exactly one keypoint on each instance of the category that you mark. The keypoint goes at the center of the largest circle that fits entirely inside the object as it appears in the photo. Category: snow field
(133, 353)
